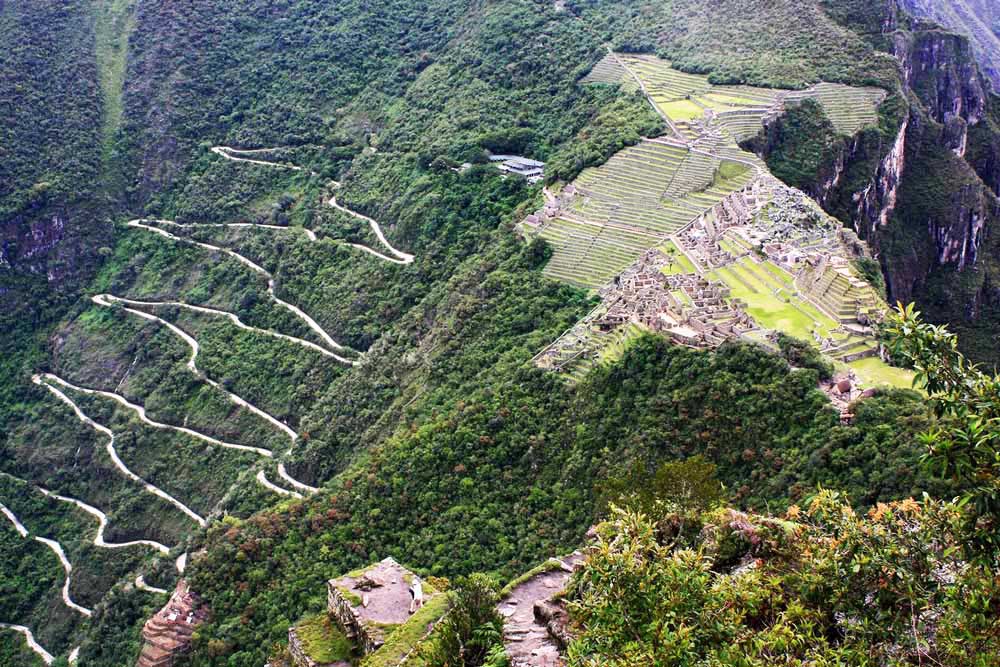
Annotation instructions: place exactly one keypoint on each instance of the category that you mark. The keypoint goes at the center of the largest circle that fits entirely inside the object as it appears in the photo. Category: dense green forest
(431, 436)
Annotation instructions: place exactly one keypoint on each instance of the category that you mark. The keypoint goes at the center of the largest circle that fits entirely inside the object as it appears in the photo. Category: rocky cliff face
(922, 188)
(978, 20)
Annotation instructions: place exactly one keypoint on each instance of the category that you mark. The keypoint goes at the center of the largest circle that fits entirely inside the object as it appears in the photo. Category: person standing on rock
(417, 594)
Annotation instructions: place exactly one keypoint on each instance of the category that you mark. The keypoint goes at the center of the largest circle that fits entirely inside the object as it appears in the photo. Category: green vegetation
(114, 21)
(964, 446)
(802, 354)
(805, 142)
(406, 639)
(322, 639)
(480, 479)
(470, 634)
(821, 585)
(444, 448)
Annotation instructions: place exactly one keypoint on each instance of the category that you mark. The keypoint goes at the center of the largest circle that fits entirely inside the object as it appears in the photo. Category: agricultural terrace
(690, 236)
(688, 99)
(633, 202)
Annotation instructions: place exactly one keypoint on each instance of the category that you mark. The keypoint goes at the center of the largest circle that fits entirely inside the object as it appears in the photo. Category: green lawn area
(323, 639)
(721, 102)
(876, 372)
(729, 170)
(681, 263)
(682, 110)
(783, 277)
(773, 313)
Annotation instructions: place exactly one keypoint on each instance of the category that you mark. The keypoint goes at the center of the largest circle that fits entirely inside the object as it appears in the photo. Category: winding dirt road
(68, 567)
(141, 584)
(264, 481)
(102, 520)
(141, 223)
(110, 447)
(294, 482)
(402, 257)
(60, 554)
(237, 155)
(234, 154)
(46, 657)
(18, 526)
(193, 367)
(106, 300)
(232, 317)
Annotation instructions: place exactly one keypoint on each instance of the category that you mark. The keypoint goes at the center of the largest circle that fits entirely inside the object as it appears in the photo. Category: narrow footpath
(527, 640)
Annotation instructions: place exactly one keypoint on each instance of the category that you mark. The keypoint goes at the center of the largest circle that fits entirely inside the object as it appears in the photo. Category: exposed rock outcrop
(922, 187)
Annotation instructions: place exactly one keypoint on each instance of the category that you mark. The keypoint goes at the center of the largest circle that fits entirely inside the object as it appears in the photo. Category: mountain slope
(238, 307)
(979, 20)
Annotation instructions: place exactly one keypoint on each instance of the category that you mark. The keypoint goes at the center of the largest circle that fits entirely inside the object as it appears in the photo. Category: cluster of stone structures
(689, 308)
(167, 635)
(700, 240)
(764, 222)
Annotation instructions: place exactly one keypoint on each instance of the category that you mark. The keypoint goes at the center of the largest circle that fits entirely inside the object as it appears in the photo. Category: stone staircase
(534, 627)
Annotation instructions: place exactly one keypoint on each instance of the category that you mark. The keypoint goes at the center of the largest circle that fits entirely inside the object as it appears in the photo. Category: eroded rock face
(922, 189)
(26, 245)
(974, 18)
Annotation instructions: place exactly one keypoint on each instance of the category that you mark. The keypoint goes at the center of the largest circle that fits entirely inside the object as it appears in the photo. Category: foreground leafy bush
(821, 586)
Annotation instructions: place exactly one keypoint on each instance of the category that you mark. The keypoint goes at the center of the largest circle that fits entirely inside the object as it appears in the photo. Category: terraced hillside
(773, 261)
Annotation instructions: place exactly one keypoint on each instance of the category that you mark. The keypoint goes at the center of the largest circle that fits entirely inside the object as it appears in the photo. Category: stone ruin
(843, 390)
(689, 308)
(366, 603)
(167, 635)
(301, 657)
(701, 238)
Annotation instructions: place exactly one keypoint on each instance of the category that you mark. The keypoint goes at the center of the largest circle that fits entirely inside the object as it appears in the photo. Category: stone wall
(341, 609)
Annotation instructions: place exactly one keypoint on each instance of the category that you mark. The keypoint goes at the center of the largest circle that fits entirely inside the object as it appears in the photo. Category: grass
(323, 640)
(680, 263)
(682, 110)
(615, 350)
(876, 372)
(772, 312)
(408, 635)
(114, 22)
(729, 170)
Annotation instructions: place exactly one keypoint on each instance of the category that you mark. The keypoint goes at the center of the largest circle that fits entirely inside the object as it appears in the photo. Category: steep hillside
(53, 218)
(979, 20)
(921, 187)
(308, 342)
